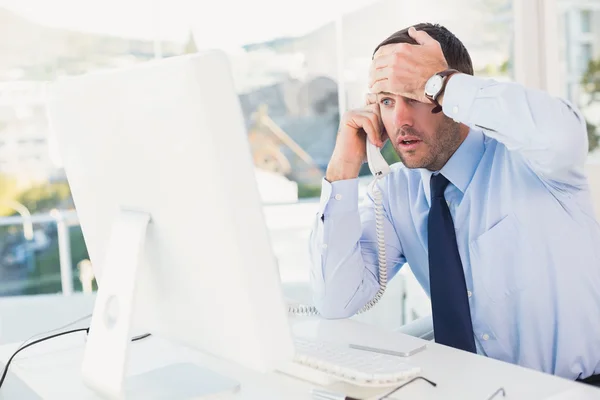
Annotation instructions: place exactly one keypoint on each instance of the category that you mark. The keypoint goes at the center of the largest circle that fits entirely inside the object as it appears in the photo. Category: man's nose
(403, 114)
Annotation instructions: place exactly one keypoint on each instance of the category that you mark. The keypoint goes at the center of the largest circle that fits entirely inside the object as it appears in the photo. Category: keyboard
(324, 363)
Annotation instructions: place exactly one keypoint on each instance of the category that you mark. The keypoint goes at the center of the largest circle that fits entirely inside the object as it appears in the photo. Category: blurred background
(297, 65)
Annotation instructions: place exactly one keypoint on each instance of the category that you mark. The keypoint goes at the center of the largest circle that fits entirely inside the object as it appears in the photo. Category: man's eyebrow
(380, 95)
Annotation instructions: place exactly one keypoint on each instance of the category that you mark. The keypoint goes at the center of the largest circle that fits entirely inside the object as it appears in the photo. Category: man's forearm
(343, 249)
(339, 169)
(545, 130)
(338, 266)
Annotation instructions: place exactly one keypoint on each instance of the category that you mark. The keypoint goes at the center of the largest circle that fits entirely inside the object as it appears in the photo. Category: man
(491, 208)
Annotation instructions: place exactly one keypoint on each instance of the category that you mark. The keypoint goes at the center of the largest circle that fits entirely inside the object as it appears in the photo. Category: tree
(190, 46)
(590, 83)
(388, 153)
(45, 197)
(40, 198)
(593, 137)
(9, 191)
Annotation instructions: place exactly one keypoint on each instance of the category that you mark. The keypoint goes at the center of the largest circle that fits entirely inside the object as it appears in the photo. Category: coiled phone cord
(307, 310)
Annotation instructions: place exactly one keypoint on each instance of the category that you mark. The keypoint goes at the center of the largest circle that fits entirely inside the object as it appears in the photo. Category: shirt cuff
(459, 96)
(339, 196)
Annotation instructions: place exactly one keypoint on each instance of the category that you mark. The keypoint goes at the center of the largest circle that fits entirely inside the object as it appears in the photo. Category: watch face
(433, 85)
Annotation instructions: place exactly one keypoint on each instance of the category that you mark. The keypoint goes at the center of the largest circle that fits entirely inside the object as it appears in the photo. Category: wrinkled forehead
(385, 50)
(385, 94)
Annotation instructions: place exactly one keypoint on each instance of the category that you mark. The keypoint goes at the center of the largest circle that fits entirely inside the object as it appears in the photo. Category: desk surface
(52, 369)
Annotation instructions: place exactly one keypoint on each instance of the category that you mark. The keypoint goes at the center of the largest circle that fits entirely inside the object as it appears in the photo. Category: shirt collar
(460, 168)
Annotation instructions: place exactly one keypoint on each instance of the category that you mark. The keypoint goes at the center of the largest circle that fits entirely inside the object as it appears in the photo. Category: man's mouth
(408, 143)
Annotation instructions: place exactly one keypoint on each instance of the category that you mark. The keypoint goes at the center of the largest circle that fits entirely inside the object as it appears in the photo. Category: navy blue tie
(452, 324)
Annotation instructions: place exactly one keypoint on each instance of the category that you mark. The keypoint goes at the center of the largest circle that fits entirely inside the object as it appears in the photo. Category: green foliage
(590, 81)
(45, 278)
(389, 153)
(45, 197)
(308, 191)
(190, 46)
(495, 69)
(37, 199)
(505, 67)
(8, 192)
(593, 137)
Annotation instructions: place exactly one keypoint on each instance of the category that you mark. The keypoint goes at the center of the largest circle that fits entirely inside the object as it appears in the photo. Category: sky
(215, 23)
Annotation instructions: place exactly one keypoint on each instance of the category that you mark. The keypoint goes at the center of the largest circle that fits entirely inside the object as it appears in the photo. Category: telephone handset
(379, 168)
(377, 164)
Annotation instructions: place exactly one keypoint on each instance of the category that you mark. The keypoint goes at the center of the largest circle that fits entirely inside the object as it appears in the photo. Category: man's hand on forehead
(403, 68)
(371, 98)
(389, 49)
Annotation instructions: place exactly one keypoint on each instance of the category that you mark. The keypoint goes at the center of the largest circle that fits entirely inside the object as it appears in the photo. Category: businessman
(490, 207)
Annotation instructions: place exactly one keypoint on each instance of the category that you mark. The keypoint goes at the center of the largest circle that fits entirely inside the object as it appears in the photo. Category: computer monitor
(159, 164)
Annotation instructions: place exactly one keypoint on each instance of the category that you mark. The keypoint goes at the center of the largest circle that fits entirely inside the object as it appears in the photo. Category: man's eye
(386, 102)
(415, 103)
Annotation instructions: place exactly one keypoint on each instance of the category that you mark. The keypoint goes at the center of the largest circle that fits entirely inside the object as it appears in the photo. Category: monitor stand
(107, 349)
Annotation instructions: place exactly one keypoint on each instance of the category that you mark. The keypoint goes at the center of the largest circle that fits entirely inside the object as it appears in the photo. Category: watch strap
(444, 74)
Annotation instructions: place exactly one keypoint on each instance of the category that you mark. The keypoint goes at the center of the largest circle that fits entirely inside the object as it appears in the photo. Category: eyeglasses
(387, 395)
(496, 393)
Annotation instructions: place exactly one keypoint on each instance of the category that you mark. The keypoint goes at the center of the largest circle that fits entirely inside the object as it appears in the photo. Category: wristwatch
(436, 85)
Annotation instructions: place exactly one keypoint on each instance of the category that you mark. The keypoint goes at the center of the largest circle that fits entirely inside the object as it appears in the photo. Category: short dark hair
(454, 51)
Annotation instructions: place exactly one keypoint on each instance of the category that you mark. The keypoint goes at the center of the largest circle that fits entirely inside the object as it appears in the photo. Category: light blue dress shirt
(525, 227)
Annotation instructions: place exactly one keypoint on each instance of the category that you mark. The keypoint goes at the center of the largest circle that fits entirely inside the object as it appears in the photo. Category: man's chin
(412, 162)
(413, 165)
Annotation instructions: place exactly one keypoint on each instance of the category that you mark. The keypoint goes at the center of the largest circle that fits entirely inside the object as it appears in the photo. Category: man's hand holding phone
(356, 126)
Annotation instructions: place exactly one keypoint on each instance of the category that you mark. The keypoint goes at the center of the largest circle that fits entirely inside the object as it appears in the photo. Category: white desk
(24, 316)
(51, 369)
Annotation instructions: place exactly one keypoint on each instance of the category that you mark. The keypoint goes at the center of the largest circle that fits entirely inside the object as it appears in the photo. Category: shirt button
(338, 196)
(324, 246)
(485, 336)
(469, 293)
(455, 110)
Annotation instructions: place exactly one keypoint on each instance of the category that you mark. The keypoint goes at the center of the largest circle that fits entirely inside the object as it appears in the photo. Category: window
(581, 64)
(42, 43)
(585, 57)
(586, 21)
(298, 63)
